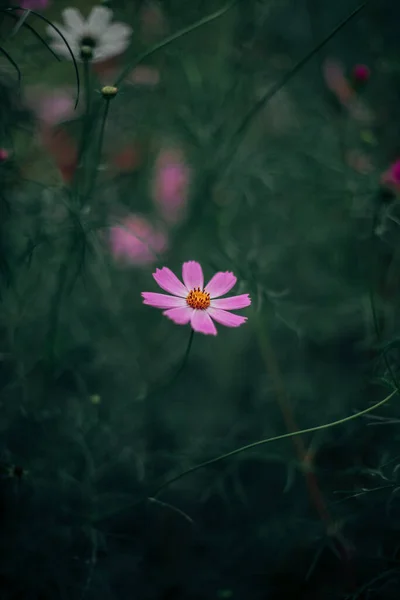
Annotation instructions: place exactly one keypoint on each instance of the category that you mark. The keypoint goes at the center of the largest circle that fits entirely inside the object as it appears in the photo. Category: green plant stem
(175, 36)
(174, 377)
(97, 160)
(276, 438)
(258, 106)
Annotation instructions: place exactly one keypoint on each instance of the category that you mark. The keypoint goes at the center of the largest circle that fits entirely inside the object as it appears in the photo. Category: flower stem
(175, 36)
(258, 106)
(95, 168)
(273, 439)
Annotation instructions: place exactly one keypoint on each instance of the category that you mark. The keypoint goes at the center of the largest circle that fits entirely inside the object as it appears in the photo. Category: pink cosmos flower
(153, 23)
(52, 106)
(361, 73)
(391, 177)
(193, 303)
(33, 4)
(135, 241)
(338, 84)
(144, 75)
(3, 155)
(171, 184)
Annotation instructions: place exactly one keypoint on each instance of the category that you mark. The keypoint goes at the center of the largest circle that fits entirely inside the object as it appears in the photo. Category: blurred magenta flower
(52, 105)
(144, 75)
(170, 185)
(193, 303)
(361, 73)
(3, 155)
(337, 82)
(62, 149)
(391, 177)
(129, 158)
(136, 241)
(153, 23)
(33, 4)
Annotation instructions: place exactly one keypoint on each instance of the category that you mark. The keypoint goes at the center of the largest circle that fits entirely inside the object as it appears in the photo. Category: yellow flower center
(198, 299)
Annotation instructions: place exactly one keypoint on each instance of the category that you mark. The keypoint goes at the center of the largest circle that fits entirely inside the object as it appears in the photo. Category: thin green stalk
(175, 36)
(284, 436)
(93, 178)
(258, 106)
(175, 376)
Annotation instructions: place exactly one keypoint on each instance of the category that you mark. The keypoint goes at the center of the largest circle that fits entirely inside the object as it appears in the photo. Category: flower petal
(180, 316)
(116, 32)
(220, 284)
(232, 303)
(98, 20)
(73, 20)
(168, 281)
(202, 323)
(226, 318)
(56, 37)
(192, 275)
(162, 300)
(62, 49)
(105, 51)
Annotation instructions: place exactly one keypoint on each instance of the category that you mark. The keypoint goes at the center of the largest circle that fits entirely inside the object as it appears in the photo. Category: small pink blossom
(153, 23)
(361, 73)
(52, 106)
(391, 177)
(338, 84)
(171, 184)
(193, 303)
(33, 4)
(3, 155)
(136, 241)
(144, 76)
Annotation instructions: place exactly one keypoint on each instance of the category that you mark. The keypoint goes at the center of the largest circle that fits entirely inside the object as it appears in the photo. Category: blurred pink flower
(193, 303)
(33, 4)
(144, 75)
(391, 177)
(338, 84)
(52, 105)
(153, 23)
(360, 162)
(136, 241)
(170, 186)
(3, 155)
(361, 73)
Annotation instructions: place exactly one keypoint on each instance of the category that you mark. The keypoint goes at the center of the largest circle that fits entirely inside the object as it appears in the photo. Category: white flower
(97, 38)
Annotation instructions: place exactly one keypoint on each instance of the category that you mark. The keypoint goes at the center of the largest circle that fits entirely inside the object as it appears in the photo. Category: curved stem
(175, 376)
(258, 106)
(273, 439)
(172, 38)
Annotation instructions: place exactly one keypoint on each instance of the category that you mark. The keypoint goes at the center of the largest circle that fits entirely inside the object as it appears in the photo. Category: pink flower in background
(144, 75)
(337, 82)
(3, 155)
(33, 4)
(361, 73)
(193, 303)
(52, 105)
(153, 23)
(135, 241)
(171, 184)
(129, 158)
(391, 177)
(62, 149)
(359, 161)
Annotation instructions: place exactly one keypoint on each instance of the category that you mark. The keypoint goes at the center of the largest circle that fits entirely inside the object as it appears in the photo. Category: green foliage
(93, 421)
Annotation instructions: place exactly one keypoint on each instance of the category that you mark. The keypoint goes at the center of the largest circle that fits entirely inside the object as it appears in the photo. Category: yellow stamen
(198, 299)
